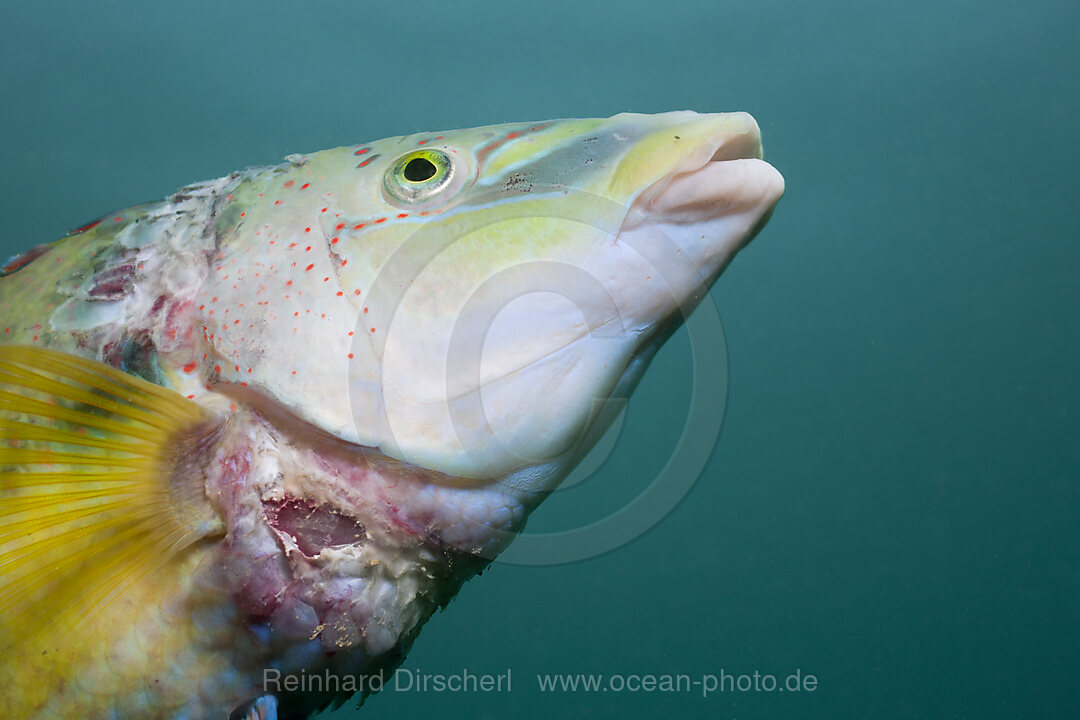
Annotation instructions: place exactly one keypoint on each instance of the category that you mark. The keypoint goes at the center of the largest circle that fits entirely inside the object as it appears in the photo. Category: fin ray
(24, 405)
(37, 381)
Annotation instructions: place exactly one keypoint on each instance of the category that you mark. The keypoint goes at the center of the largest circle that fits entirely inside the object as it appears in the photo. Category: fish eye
(418, 176)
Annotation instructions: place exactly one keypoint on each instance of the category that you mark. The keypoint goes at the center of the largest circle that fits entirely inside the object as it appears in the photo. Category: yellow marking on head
(528, 146)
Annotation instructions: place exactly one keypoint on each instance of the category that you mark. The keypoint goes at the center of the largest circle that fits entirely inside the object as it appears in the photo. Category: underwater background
(893, 505)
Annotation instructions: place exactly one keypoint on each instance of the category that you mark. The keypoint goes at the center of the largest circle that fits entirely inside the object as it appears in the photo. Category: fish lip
(737, 146)
(723, 154)
(737, 150)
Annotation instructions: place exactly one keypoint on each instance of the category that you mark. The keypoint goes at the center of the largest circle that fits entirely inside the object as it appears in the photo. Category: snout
(714, 169)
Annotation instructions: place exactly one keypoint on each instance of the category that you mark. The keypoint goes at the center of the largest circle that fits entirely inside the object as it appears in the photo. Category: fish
(268, 425)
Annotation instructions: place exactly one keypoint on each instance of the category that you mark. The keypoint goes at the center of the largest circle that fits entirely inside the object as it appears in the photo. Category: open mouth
(725, 175)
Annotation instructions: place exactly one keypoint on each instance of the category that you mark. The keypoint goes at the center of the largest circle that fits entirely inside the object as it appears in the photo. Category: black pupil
(419, 170)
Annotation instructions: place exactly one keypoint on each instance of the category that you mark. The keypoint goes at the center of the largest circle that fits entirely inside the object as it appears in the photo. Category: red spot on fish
(366, 161)
(357, 226)
(361, 151)
(217, 368)
(344, 262)
(307, 229)
(20, 261)
(482, 153)
(403, 215)
(305, 186)
(381, 220)
(118, 219)
(339, 293)
(85, 227)
(308, 268)
(333, 241)
(289, 183)
(190, 367)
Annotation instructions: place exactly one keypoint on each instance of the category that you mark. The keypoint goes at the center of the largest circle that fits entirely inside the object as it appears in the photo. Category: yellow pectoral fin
(102, 480)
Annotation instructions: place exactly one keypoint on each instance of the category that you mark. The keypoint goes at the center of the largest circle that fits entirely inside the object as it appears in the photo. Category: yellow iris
(418, 176)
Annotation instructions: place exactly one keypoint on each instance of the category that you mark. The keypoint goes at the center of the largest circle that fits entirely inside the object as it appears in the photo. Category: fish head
(504, 282)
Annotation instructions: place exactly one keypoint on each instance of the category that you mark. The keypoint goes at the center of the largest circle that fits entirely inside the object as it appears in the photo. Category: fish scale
(267, 426)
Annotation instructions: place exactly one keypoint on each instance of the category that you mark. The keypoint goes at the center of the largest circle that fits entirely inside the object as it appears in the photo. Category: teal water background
(893, 504)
